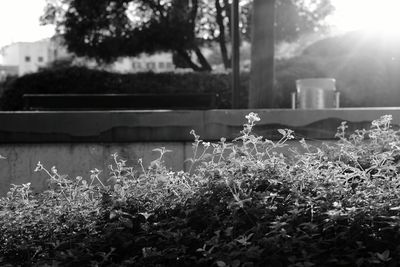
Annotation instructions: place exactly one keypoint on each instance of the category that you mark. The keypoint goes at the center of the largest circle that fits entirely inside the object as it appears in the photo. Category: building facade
(31, 56)
(160, 62)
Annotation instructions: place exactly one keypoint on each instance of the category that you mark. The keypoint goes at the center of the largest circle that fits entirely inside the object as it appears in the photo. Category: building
(31, 56)
(160, 62)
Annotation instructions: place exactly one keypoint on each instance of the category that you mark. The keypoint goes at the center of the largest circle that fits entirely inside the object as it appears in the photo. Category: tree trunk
(205, 66)
(187, 58)
(227, 7)
(221, 37)
(261, 94)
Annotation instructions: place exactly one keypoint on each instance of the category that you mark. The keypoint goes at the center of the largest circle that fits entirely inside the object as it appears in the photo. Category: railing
(118, 101)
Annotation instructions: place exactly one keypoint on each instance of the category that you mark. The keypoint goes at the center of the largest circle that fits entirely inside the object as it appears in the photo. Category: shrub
(241, 203)
(77, 80)
(5, 84)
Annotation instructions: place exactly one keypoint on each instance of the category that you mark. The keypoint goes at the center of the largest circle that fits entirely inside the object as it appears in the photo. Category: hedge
(361, 81)
(75, 80)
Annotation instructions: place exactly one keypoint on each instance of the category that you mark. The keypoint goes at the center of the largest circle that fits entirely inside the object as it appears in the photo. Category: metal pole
(235, 55)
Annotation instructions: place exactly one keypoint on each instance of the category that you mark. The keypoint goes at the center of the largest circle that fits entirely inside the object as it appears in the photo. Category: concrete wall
(77, 142)
(78, 159)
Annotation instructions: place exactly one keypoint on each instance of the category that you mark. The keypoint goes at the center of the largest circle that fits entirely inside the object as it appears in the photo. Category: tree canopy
(108, 29)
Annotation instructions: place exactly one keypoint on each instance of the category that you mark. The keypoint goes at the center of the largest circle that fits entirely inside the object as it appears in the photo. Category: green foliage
(6, 84)
(356, 80)
(241, 203)
(76, 80)
(106, 30)
(297, 17)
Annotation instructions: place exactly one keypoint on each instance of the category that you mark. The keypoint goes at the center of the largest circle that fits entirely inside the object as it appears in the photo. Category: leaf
(146, 215)
(236, 263)
(384, 256)
(221, 264)
(113, 215)
(228, 231)
(282, 132)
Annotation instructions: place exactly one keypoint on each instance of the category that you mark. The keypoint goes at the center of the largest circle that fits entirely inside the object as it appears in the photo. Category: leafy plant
(241, 203)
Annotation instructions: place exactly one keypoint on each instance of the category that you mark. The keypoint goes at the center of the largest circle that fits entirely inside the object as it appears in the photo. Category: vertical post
(235, 55)
(262, 55)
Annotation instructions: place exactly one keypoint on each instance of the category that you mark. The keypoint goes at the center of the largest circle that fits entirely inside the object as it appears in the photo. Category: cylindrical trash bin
(316, 93)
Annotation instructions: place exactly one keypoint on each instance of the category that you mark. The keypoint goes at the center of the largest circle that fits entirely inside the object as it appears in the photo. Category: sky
(370, 15)
(19, 19)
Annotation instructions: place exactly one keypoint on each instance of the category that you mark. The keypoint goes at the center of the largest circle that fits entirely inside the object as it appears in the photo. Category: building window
(170, 65)
(150, 65)
(161, 65)
(40, 59)
(136, 65)
(27, 59)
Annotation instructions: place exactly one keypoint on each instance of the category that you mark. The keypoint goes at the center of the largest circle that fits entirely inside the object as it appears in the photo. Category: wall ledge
(175, 125)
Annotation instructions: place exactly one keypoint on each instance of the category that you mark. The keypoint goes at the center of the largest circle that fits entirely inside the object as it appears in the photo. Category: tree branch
(205, 66)
(221, 37)
(186, 57)
(227, 8)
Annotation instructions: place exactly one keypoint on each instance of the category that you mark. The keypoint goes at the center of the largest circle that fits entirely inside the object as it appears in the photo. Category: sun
(382, 16)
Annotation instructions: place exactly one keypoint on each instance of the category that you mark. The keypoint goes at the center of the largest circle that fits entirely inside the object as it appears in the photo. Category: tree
(292, 19)
(108, 29)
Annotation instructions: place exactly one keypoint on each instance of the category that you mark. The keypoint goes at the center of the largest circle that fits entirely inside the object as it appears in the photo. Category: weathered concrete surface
(98, 126)
(78, 159)
(174, 126)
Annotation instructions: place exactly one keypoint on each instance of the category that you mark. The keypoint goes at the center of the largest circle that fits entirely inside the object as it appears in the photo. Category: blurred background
(171, 47)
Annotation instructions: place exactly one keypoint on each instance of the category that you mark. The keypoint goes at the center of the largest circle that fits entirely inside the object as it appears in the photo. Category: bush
(5, 84)
(80, 80)
(242, 203)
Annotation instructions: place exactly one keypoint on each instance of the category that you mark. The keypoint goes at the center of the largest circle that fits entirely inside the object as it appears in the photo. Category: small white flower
(252, 117)
(95, 171)
(54, 169)
(39, 167)
(206, 144)
(337, 204)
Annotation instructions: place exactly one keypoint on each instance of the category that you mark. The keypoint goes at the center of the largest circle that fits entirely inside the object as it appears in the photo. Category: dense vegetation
(241, 203)
(106, 30)
(80, 80)
(366, 76)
